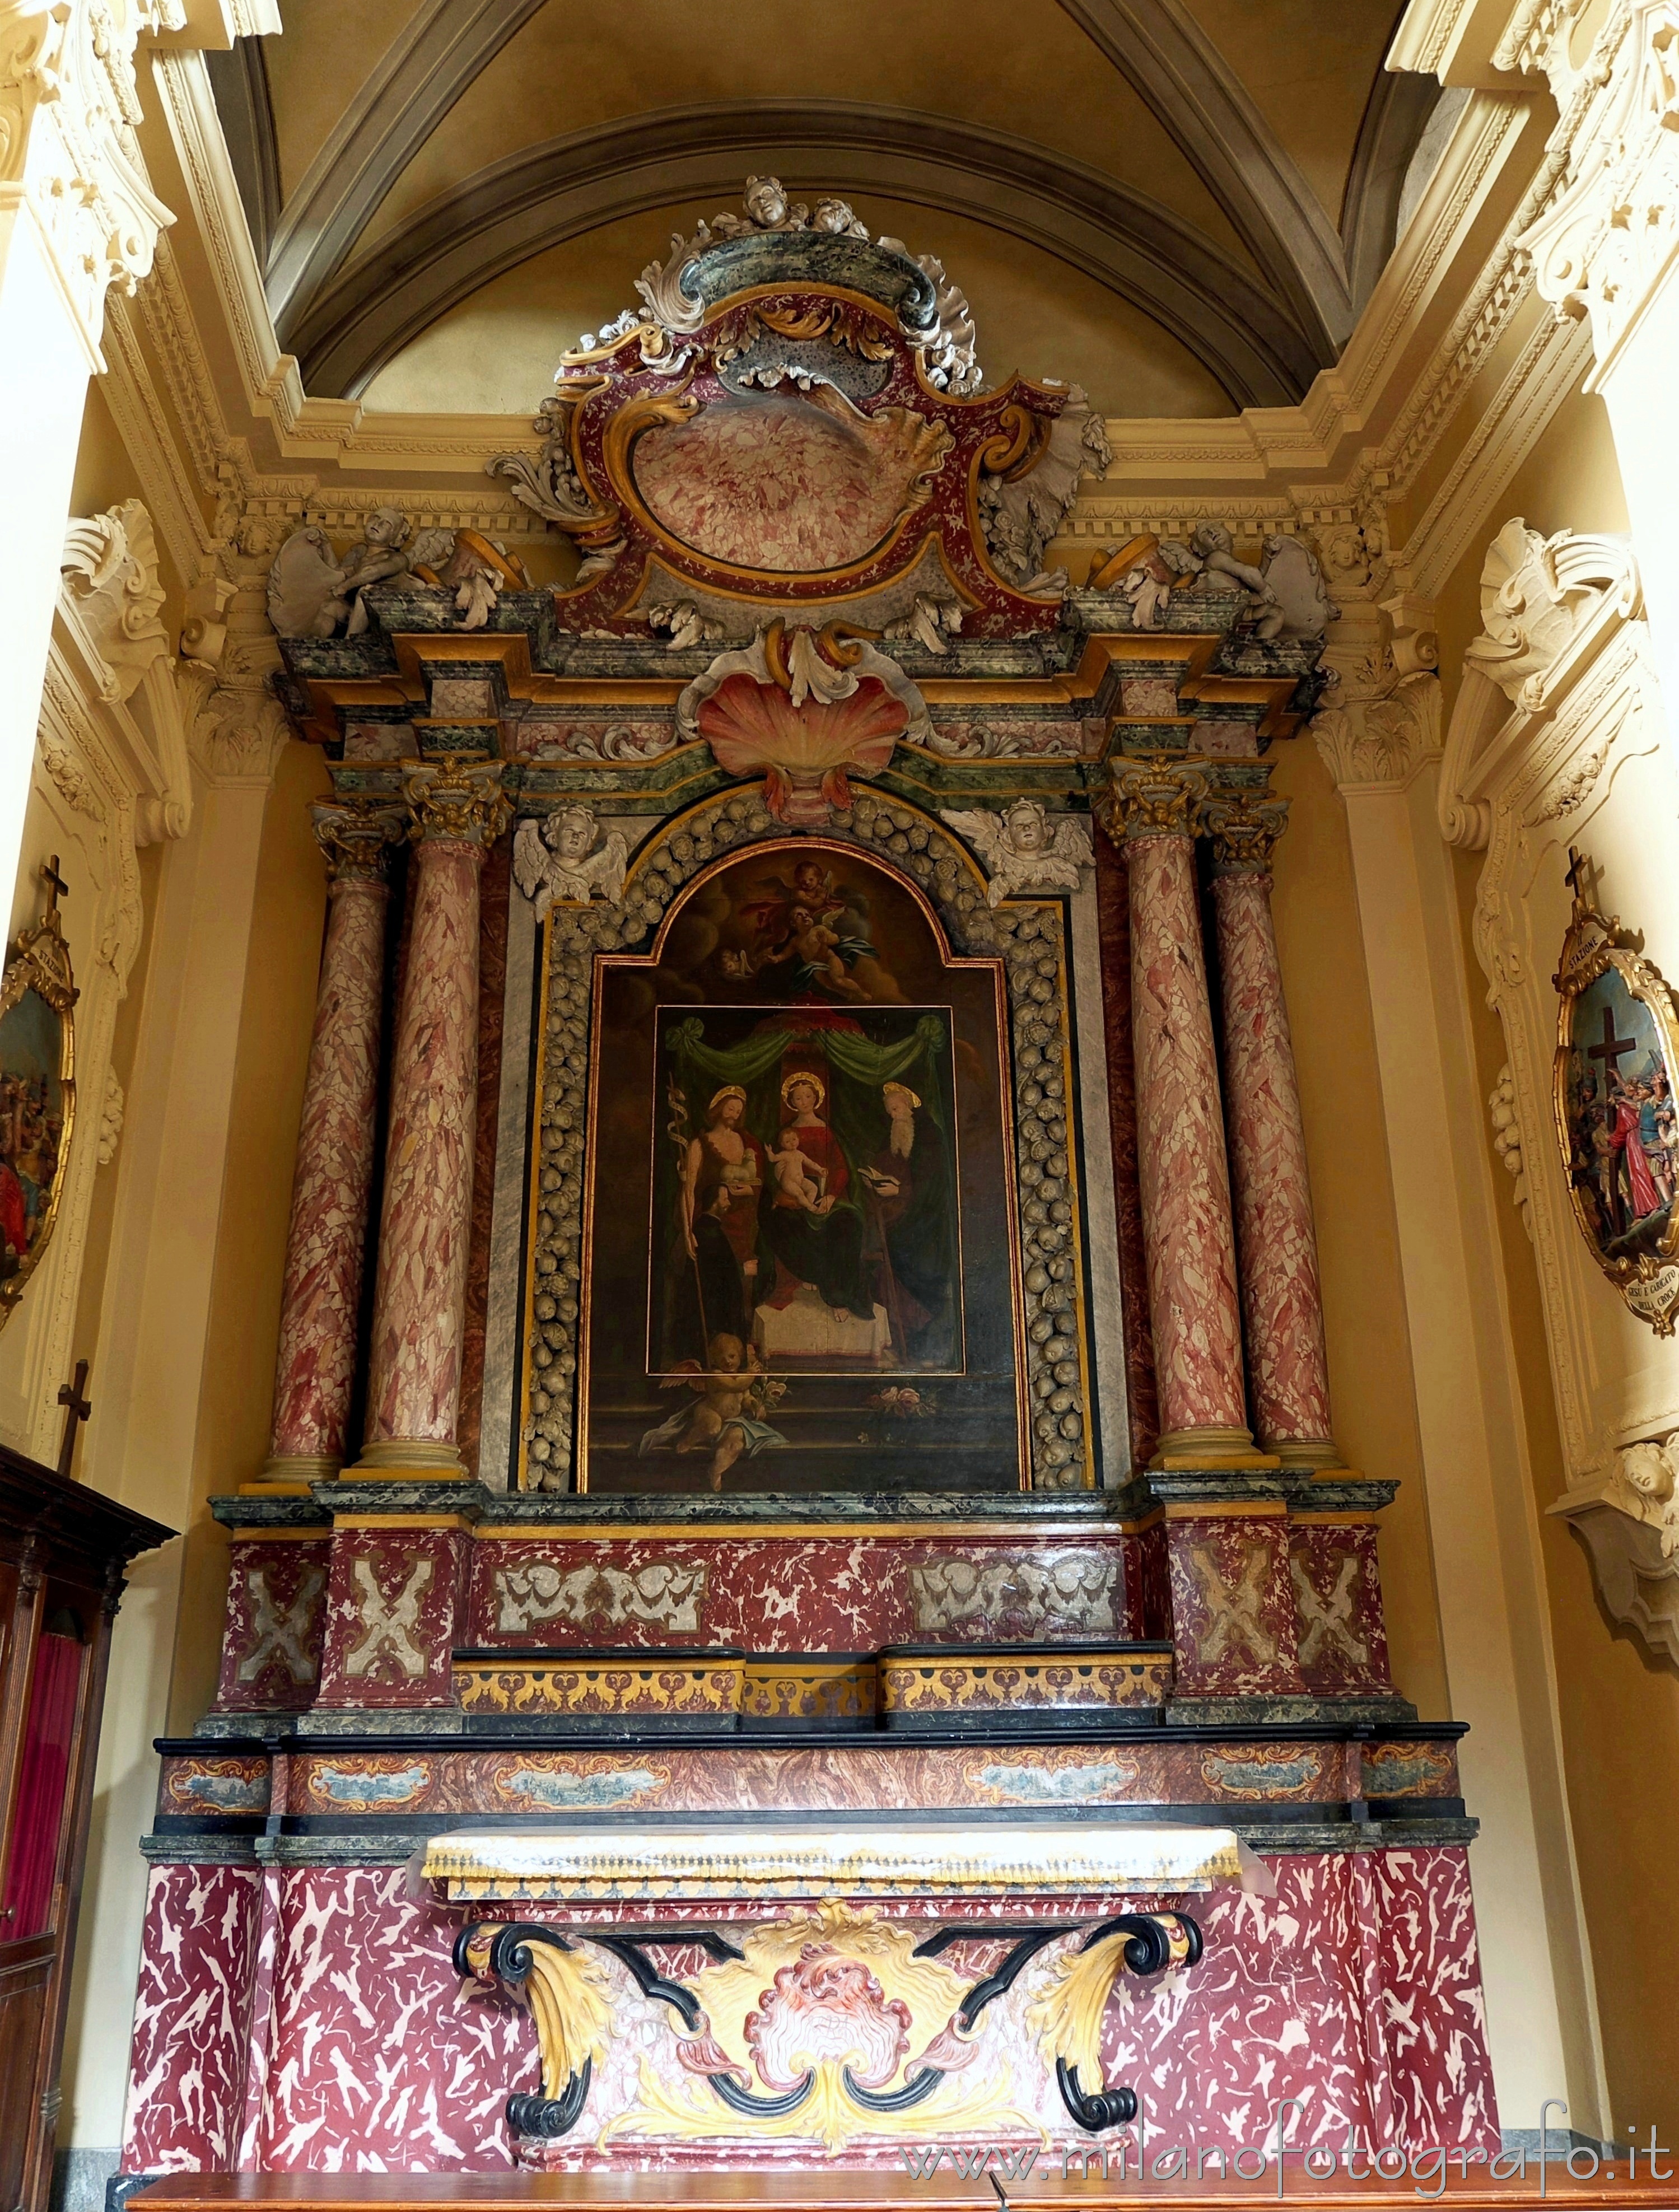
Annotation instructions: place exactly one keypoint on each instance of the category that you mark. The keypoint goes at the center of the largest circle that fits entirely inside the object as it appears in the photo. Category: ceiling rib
(547, 194)
(238, 81)
(1394, 121)
(413, 87)
(1158, 45)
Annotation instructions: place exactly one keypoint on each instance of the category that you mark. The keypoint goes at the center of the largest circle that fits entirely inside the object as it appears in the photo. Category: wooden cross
(1581, 876)
(1611, 1050)
(77, 1410)
(57, 887)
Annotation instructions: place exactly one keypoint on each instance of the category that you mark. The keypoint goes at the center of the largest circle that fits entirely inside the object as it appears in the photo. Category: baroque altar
(814, 1600)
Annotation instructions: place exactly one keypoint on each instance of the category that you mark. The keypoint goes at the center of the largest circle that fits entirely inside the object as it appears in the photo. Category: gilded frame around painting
(37, 993)
(1614, 1083)
(986, 973)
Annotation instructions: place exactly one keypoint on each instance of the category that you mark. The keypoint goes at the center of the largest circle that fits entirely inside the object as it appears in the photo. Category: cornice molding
(543, 195)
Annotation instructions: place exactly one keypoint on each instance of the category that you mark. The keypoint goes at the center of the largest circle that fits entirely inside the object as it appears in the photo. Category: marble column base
(1318, 1455)
(410, 1455)
(1210, 1448)
(295, 1471)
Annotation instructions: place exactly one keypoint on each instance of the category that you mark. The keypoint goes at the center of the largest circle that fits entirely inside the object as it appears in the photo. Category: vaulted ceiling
(1180, 203)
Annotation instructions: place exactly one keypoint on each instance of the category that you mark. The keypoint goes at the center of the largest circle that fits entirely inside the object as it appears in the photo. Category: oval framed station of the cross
(1614, 1083)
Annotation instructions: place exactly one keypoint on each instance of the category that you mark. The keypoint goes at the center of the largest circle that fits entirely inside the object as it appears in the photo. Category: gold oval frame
(40, 963)
(1648, 1281)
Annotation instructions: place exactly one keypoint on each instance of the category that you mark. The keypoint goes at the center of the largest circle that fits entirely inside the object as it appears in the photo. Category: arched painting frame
(37, 1095)
(900, 1381)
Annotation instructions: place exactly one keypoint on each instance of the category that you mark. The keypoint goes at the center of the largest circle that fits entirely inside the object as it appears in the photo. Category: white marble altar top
(843, 1859)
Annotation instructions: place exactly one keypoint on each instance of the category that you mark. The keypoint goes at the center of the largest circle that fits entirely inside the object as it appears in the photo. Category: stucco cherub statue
(1295, 579)
(306, 585)
(379, 557)
(767, 207)
(1211, 541)
(1649, 1474)
(1023, 850)
(560, 859)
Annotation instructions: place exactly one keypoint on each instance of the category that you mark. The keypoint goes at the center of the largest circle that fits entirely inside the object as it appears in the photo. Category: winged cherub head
(1027, 828)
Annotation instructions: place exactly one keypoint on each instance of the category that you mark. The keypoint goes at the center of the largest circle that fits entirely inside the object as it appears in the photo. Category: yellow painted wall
(1321, 952)
(275, 1022)
(1619, 1707)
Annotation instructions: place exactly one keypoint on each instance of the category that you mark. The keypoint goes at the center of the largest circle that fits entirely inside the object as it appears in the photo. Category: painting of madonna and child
(799, 1269)
(1619, 1110)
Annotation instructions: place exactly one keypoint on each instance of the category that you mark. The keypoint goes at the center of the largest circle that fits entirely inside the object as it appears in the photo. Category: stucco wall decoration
(795, 415)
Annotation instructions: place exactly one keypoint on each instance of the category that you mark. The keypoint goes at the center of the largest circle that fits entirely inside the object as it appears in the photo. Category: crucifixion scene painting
(799, 1174)
(1623, 1144)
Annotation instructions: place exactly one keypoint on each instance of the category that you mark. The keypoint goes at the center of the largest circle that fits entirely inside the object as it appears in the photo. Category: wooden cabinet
(64, 1550)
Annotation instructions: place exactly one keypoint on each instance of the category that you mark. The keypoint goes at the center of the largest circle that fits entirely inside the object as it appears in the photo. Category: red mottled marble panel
(392, 1607)
(1232, 1605)
(1337, 1585)
(273, 1629)
(187, 2080)
(797, 1594)
(1147, 1585)
(379, 2062)
(1356, 1988)
(1433, 2012)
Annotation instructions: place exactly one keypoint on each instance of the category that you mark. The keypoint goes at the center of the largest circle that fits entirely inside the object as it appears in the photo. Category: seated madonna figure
(811, 1225)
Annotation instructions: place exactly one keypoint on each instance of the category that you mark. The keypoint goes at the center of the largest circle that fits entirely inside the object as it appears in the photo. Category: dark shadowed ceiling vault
(1225, 176)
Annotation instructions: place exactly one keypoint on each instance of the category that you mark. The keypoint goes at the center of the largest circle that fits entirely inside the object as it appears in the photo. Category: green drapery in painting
(857, 1068)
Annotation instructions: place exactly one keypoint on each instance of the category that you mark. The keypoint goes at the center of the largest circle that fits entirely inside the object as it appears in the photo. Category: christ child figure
(797, 1176)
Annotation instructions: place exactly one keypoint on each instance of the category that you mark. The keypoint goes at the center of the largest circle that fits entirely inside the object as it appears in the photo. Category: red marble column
(314, 1366)
(420, 1289)
(1181, 1168)
(1282, 1307)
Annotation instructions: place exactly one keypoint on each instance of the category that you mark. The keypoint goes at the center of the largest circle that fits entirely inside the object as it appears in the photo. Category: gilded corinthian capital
(1154, 798)
(1244, 826)
(357, 839)
(457, 800)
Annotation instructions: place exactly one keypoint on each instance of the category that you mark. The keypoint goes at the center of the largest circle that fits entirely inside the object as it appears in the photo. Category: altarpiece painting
(798, 1195)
